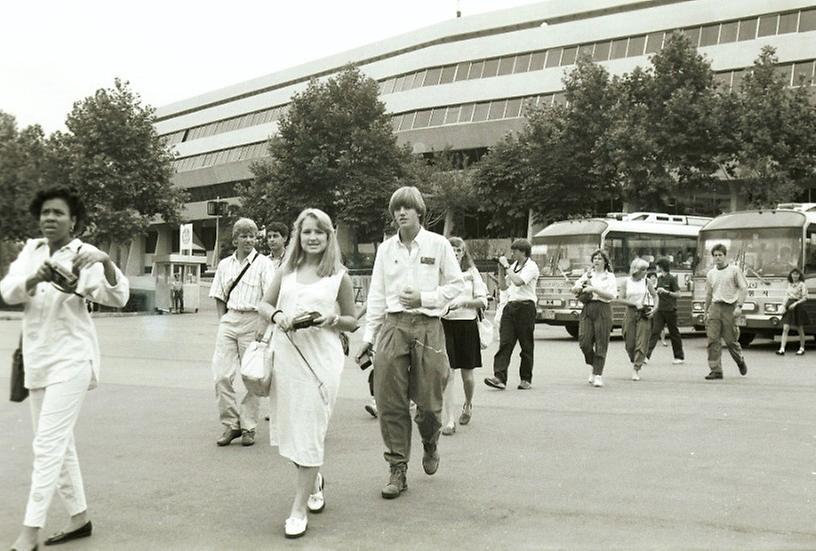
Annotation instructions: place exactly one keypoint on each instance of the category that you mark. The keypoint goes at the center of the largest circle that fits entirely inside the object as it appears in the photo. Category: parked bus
(562, 252)
(767, 245)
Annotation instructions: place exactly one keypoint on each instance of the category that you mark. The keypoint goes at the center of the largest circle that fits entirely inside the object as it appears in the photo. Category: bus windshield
(624, 247)
(564, 254)
(763, 252)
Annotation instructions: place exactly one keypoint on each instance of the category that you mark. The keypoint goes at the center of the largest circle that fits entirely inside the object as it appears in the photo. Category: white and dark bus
(766, 245)
(562, 251)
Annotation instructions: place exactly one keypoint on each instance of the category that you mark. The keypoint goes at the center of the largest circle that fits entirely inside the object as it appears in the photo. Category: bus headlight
(749, 307)
(697, 306)
(773, 307)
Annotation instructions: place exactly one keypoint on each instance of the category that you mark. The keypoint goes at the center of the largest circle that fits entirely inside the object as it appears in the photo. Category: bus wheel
(572, 329)
(745, 339)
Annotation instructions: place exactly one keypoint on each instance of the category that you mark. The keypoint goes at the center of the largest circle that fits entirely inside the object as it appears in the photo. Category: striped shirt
(252, 286)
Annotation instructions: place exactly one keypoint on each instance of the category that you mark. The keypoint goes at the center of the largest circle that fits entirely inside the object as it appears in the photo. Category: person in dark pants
(666, 316)
(518, 318)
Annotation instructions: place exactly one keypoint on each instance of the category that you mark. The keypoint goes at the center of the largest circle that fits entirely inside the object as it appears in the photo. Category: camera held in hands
(62, 276)
(365, 361)
(305, 320)
(584, 295)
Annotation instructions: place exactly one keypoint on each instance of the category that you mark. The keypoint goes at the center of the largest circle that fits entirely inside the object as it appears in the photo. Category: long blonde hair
(330, 263)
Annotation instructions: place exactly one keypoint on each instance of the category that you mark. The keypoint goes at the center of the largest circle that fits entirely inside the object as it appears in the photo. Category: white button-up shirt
(604, 281)
(475, 289)
(252, 286)
(58, 333)
(529, 275)
(427, 264)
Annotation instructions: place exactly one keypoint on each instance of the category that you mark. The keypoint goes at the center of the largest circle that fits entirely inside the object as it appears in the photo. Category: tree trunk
(449, 223)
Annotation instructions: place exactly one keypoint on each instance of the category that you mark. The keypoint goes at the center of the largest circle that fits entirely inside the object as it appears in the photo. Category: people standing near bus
(51, 278)
(309, 355)
(666, 315)
(596, 288)
(276, 235)
(726, 290)
(518, 317)
(415, 275)
(640, 298)
(238, 286)
(795, 316)
(462, 337)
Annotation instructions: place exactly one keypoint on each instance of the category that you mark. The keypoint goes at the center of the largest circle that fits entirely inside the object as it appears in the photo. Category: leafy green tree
(335, 150)
(665, 137)
(116, 161)
(772, 152)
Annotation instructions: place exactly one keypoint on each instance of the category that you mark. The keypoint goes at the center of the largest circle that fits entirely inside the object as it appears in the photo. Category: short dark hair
(75, 206)
(522, 245)
(798, 271)
(719, 247)
(607, 263)
(279, 227)
(663, 263)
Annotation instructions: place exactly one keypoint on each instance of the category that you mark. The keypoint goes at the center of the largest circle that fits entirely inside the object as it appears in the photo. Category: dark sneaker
(248, 438)
(714, 375)
(228, 436)
(430, 459)
(396, 483)
(525, 385)
(495, 383)
(743, 368)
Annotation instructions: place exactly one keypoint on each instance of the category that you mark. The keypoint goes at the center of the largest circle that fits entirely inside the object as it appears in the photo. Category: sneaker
(247, 438)
(495, 383)
(430, 459)
(743, 367)
(678, 361)
(800, 352)
(448, 430)
(592, 378)
(714, 375)
(397, 482)
(371, 408)
(635, 375)
(598, 382)
(645, 361)
(228, 436)
(780, 352)
(467, 413)
(295, 527)
(525, 385)
(316, 502)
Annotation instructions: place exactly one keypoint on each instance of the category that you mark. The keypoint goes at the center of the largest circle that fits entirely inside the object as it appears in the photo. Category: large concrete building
(463, 83)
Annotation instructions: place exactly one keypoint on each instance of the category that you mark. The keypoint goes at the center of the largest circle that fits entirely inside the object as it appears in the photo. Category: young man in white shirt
(239, 285)
(415, 275)
(726, 290)
(276, 236)
(518, 317)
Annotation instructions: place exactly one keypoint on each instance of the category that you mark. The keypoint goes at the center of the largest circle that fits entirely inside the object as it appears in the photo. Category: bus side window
(810, 250)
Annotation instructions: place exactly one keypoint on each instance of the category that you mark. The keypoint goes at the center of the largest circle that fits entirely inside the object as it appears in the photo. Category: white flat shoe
(316, 502)
(295, 527)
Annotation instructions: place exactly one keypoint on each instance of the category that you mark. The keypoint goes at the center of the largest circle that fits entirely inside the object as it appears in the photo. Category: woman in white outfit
(51, 278)
(640, 298)
(308, 362)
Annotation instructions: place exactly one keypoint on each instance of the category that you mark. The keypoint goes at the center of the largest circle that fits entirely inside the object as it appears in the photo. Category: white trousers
(235, 331)
(54, 411)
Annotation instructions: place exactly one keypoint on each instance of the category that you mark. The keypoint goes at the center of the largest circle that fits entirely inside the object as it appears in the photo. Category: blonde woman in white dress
(308, 361)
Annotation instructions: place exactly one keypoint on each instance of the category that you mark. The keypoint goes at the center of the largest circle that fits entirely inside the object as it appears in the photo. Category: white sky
(57, 52)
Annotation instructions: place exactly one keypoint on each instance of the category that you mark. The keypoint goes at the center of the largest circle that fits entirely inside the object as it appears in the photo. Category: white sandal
(316, 502)
(295, 527)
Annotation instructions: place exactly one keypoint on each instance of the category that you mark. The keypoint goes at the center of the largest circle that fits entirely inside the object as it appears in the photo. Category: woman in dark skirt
(795, 316)
(462, 337)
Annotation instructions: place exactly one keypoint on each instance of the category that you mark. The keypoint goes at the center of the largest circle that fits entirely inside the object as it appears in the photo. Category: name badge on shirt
(427, 260)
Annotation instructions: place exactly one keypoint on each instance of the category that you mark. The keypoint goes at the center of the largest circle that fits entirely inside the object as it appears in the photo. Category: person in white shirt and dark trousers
(52, 277)
(518, 317)
(415, 276)
(240, 282)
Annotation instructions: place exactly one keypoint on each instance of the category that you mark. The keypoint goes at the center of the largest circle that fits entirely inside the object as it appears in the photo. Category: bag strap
(237, 279)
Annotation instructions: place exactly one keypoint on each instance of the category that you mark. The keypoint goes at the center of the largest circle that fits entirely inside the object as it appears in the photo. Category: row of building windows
(213, 191)
(223, 156)
(700, 36)
(794, 74)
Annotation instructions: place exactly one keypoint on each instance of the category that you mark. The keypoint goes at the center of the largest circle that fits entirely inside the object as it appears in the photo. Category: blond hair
(244, 225)
(330, 263)
(637, 265)
(409, 197)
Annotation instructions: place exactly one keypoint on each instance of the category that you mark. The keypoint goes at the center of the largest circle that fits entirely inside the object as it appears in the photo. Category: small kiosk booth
(188, 269)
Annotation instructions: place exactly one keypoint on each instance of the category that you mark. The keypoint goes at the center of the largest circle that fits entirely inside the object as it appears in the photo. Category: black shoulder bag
(18, 390)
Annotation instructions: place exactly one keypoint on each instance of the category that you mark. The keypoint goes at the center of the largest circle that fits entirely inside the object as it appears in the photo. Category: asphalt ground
(669, 462)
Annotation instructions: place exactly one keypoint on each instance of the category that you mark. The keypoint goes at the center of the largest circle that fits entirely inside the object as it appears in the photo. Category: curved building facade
(462, 84)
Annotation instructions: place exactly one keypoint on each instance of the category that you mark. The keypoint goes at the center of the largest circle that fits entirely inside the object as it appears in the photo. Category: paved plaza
(670, 462)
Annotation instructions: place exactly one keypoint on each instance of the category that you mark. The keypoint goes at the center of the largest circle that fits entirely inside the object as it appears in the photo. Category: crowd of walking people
(422, 325)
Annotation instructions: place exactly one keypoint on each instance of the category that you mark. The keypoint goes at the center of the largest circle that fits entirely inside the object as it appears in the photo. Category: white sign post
(186, 239)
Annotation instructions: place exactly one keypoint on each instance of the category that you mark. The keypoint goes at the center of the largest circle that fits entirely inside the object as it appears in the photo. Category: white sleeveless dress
(303, 411)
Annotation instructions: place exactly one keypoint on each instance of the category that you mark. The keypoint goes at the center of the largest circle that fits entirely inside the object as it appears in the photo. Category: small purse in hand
(18, 390)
